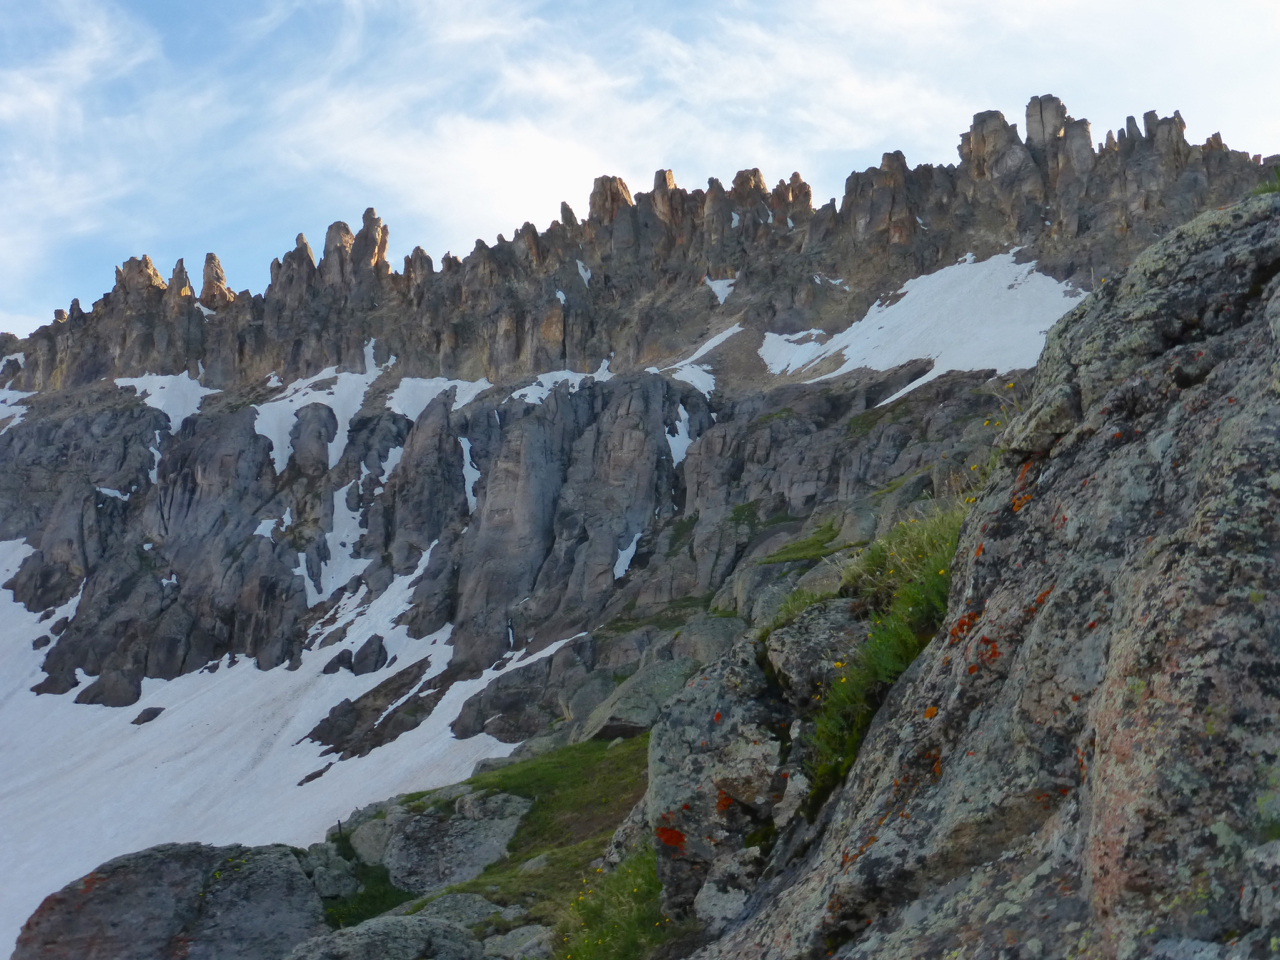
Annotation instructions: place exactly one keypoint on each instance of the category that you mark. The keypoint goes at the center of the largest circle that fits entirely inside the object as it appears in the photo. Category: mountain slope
(406, 478)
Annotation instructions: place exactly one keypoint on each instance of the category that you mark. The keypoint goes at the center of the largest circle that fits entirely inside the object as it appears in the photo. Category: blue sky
(175, 129)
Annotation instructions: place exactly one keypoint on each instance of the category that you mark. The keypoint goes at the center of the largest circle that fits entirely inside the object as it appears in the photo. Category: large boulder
(188, 900)
(426, 849)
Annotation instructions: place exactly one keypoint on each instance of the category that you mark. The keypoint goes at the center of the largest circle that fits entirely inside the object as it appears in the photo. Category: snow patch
(265, 527)
(585, 273)
(205, 310)
(560, 296)
(343, 393)
(735, 221)
(413, 394)
(341, 566)
(541, 388)
(114, 493)
(392, 461)
(177, 396)
(697, 374)
(721, 288)
(964, 317)
(470, 474)
(10, 408)
(680, 442)
(625, 554)
(221, 765)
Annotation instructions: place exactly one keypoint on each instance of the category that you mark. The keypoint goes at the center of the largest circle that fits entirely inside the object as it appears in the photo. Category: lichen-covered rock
(530, 942)
(716, 768)
(429, 851)
(633, 707)
(393, 938)
(190, 900)
(1081, 762)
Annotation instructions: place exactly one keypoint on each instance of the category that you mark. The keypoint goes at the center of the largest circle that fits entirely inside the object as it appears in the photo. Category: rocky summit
(678, 468)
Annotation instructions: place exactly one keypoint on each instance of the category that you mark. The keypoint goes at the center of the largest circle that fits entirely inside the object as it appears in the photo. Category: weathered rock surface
(393, 938)
(185, 900)
(428, 850)
(1081, 762)
(531, 942)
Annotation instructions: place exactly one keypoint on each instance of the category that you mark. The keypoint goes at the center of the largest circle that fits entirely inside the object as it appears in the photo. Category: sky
(130, 128)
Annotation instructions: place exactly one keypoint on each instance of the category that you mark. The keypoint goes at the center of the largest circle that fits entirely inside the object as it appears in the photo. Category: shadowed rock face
(1086, 749)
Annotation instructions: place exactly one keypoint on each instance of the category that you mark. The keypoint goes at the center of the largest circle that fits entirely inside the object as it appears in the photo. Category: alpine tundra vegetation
(711, 575)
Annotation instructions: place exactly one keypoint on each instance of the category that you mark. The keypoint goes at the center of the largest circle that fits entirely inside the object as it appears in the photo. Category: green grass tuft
(580, 794)
(902, 582)
(797, 602)
(618, 915)
(378, 896)
(813, 547)
(1270, 186)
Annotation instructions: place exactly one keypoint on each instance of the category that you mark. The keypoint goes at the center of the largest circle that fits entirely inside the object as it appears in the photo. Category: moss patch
(813, 547)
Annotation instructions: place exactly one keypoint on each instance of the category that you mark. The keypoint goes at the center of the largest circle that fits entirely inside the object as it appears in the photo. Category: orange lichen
(671, 837)
(930, 713)
(723, 801)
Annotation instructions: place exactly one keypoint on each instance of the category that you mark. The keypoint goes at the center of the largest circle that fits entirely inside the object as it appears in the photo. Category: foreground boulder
(179, 900)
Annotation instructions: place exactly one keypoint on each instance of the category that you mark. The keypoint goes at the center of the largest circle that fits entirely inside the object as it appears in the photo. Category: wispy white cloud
(134, 127)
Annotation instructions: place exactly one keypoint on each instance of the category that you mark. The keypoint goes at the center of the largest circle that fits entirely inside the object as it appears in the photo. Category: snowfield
(968, 316)
(81, 784)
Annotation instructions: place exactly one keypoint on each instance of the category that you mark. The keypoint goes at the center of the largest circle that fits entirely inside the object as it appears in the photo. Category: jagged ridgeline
(342, 539)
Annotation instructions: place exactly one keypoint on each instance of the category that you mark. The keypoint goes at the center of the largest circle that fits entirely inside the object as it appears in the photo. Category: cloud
(174, 131)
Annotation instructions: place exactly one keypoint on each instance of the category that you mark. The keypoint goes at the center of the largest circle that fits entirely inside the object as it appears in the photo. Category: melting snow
(344, 396)
(177, 396)
(205, 310)
(625, 554)
(415, 393)
(80, 784)
(470, 474)
(736, 220)
(964, 317)
(392, 461)
(560, 296)
(699, 375)
(341, 566)
(9, 407)
(721, 288)
(114, 493)
(680, 442)
(585, 273)
(541, 388)
(265, 527)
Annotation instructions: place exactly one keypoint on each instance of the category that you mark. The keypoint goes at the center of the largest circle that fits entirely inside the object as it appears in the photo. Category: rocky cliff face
(1081, 762)
(509, 484)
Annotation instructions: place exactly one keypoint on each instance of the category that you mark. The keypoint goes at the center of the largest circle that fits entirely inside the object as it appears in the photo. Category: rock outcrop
(1080, 763)
(185, 900)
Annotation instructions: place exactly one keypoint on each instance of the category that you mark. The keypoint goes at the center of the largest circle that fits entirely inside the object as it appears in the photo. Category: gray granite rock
(393, 938)
(532, 942)
(242, 903)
